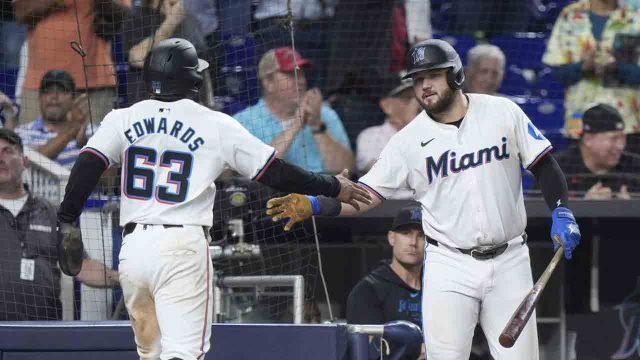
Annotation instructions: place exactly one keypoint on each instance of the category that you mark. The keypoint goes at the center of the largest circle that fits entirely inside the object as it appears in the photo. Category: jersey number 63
(140, 175)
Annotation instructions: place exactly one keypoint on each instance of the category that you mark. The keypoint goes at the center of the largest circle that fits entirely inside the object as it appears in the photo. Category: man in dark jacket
(393, 290)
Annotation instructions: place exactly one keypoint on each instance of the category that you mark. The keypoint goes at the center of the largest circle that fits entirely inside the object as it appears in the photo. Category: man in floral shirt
(584, 55)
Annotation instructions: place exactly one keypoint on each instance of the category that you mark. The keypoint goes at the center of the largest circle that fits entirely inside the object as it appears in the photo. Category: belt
(129, 227)
(481, 253)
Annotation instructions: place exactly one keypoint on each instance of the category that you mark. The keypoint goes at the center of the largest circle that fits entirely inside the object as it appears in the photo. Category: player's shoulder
(486, 99)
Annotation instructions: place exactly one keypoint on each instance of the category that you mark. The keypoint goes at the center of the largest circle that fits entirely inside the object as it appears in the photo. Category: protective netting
(347, 57)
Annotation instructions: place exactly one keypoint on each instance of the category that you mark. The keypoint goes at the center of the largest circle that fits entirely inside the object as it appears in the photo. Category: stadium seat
(440, 14)
(547, 86)
(516, 81)
(548, 116)
(524, 50)
(461, 43)
(8, 78)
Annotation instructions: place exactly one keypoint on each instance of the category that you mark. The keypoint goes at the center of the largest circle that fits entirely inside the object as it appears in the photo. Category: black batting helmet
(436, 54)
(172, 69)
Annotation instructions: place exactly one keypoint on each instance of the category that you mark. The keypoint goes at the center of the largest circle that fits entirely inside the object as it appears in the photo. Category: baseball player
(171, 150)
(461, 158)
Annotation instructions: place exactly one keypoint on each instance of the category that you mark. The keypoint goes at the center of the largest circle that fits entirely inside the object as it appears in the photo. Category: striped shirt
(35, 134)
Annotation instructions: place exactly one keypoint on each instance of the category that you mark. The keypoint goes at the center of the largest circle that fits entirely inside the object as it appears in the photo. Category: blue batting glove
(565, 229)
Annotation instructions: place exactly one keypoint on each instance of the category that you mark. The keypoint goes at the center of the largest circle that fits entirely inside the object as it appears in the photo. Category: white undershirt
(14, 205)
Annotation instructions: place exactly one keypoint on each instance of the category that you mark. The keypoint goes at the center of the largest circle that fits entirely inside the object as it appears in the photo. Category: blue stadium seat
(239, 50)
(440, 14)
(8, 78)
(547, 86)
(461, 43)
(548, 116)
(524, 50)
(516, 82)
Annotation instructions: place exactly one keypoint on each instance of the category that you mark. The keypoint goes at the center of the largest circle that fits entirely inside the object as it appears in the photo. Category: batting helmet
(172, 69)
(436, 54)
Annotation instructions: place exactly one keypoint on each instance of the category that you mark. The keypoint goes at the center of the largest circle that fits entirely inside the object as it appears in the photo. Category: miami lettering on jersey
(449, 161)
(163, 126)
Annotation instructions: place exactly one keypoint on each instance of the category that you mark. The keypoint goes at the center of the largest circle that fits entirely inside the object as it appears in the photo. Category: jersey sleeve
(242, 151)
(532, 145)
(388, 175)
(108, 141)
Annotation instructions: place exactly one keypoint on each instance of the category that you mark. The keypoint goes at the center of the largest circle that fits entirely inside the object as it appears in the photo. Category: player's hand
(70, 249)
(565, 230)
(295, 207)
(352, 193)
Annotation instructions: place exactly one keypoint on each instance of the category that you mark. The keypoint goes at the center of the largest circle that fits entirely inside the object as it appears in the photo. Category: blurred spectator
(485, 69)
(53, 26)
(393, 290)
(375, 34)
(488, 16)
(598, 166)
(61, 130)
(400, 107)
(29, 274)
(8, 112)
(309, 133)
(312, 313)
(153, 21)
(12, 35)
(583, 56)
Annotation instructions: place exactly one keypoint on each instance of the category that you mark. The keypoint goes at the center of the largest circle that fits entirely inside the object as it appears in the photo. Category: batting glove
(565, 229)
(70, 249)
(295, 207)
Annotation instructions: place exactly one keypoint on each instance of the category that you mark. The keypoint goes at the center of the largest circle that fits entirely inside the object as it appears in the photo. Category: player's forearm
(290, 178)
(84, 176)
(552, 182)
(333, 207)
(348, 210)
(335, 156)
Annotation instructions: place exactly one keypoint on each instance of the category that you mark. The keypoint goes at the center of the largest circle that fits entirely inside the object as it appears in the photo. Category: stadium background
(349, 44)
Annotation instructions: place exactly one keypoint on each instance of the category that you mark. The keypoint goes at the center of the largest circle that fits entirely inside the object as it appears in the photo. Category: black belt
(129, 227)
(481, 254)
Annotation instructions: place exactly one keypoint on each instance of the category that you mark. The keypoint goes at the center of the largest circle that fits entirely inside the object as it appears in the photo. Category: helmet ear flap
(455, 79)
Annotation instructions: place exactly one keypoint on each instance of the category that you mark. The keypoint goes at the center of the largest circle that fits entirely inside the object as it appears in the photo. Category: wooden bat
(522, 314)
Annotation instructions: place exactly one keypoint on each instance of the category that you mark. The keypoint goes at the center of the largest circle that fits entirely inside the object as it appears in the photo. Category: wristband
(315, 205)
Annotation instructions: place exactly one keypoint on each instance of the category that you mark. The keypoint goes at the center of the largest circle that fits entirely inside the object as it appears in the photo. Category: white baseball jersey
(467, 179)
(171, 153)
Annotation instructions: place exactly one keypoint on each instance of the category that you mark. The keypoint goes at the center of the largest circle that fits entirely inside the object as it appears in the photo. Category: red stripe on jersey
(265, 167)
(98, 154)
(540, 156)
(372, 190)
(206, 308)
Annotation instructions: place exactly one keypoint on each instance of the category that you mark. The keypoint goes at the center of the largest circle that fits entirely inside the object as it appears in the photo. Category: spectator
(488, 16)
(375, 34)
(400, 107)
(309, 134)
(61, 130)
(582, 56)
(598, 166)
(8, 112)
(154, 21)
(53, 26)
(393, 290)
(29, 273)
(485, 69)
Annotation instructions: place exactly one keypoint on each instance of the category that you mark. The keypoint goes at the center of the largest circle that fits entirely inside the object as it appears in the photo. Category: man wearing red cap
(294, 120)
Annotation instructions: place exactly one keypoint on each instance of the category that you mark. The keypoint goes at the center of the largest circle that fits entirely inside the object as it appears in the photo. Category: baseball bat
(522, 314)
